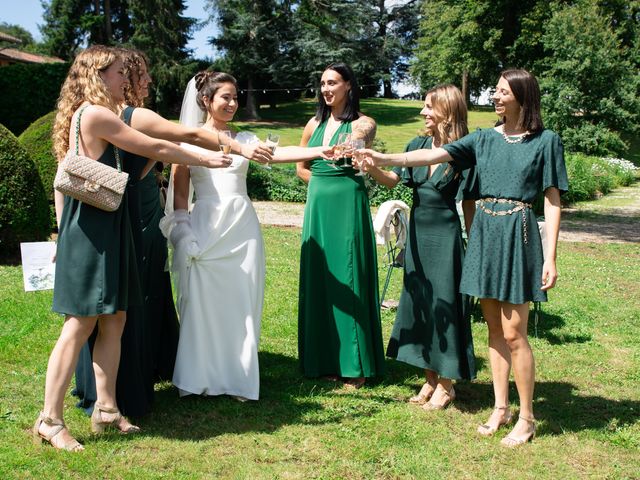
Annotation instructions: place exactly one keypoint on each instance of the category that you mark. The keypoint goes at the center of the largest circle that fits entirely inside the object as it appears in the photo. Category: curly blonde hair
(450, 112)
(135, 65)
(83, 84)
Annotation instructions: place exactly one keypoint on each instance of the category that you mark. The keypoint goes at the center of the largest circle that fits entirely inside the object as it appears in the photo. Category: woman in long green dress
(432, 329)
(96, 273)
(339, 331)
(505, 266)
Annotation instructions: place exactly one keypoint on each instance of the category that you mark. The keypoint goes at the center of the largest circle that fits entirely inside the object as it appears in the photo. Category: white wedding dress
(219, 263)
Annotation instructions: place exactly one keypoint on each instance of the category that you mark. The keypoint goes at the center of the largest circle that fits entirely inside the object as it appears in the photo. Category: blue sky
(28, 14)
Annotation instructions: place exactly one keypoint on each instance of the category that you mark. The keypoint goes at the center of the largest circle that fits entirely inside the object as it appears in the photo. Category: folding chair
(395, 251)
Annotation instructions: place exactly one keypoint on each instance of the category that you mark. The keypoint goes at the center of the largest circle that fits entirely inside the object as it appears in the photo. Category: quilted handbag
(90, 181)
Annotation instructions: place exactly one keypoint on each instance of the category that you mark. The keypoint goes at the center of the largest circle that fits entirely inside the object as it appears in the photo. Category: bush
(24, 213)
(28, 92)
(591, 177)
(36, 139)
(278, 184)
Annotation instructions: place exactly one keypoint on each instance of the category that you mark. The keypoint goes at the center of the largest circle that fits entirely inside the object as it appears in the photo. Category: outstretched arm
(106, 125)
(414, 158)
(154, 125)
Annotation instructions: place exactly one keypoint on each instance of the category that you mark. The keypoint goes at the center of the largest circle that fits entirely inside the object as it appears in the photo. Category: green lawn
(587, 403)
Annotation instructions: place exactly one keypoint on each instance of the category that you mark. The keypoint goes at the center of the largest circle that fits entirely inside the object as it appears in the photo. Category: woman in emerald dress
(432, 329)
(504, 265)
(339, 331)
(96, 274)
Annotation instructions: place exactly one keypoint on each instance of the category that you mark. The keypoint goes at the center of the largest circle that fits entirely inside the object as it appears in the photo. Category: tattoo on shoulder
(365, 128)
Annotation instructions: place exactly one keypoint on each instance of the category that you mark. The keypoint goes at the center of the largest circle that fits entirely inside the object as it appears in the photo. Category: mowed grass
(398, 120)
(587, 357)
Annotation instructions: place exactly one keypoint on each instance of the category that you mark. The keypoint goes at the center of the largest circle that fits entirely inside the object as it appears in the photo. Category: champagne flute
(224, 140)
(357, 144)
(272, 142)
(343, 148)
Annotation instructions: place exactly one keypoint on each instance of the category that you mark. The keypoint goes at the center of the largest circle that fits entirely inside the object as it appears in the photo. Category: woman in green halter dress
(505, 266)
(339, 331)
(95, 264)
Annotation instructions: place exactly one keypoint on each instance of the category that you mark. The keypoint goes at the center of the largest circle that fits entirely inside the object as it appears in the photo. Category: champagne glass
(224, 140)
(343, 148)
(272, 142)
(357, 144)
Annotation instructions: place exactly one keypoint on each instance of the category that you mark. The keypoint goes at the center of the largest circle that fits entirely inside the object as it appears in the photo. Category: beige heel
(98, 425)
(487, 430)
(512, 442)
(57, 426)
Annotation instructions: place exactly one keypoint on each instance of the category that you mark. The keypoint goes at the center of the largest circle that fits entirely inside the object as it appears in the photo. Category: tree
(590, 89)
(250, 39)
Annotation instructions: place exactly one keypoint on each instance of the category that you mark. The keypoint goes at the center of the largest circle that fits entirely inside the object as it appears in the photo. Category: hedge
(24, 211)
(28, 92)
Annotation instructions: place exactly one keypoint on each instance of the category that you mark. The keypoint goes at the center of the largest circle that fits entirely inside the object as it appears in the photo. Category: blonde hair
(135, 64)
(450, 112)
(83, 84)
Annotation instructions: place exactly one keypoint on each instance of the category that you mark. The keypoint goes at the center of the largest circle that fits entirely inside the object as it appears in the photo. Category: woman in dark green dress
(96, 275)
(505, 266)
(432, 328)
(339, 331)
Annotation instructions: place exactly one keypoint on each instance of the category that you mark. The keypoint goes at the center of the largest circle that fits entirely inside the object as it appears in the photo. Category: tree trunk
(465, 86)
(97, 30)
(382, 33)
(386, 89)
(108, 29)
(250, 108)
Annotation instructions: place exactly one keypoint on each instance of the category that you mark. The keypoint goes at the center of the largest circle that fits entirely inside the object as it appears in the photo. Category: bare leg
(514, 326)
(106, 360)
(62, 363)
(499, 359)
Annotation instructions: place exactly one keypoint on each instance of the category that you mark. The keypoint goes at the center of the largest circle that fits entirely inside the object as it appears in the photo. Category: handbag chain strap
(115, 149)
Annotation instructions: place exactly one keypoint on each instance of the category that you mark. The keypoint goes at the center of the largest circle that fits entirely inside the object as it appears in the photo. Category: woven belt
(517, 206)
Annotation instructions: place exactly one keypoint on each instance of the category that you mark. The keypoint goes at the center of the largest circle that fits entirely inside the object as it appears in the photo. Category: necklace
(514, 138)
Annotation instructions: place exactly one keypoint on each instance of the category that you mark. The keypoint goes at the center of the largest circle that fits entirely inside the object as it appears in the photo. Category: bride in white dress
(218, 254)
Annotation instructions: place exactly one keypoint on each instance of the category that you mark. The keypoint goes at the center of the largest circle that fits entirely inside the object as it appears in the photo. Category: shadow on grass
(286, 398)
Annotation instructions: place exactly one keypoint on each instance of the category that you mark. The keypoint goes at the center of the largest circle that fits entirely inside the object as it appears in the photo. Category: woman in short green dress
(96, 273)
(505, 266)
(339, 330)
(432, 329)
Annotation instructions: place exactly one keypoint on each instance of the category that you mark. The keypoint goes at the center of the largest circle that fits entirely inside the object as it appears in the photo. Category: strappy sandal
(98, 425)
(487, 430)
(424, 395)
(449, 396)
(511, 442)
(57, 426)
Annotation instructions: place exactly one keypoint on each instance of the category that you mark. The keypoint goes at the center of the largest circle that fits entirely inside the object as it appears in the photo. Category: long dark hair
(527, 92)
(351, 109)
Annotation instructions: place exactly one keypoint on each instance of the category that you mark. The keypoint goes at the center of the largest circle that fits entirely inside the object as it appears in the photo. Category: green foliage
(591, 177)
(24, 213)
(278, 184)
(28, 92)
(36, 140)
(590, 89)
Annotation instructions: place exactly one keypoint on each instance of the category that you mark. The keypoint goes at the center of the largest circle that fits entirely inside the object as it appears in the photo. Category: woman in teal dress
(339, 330)
(432, 329)
(505, 266)
(96, 274)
